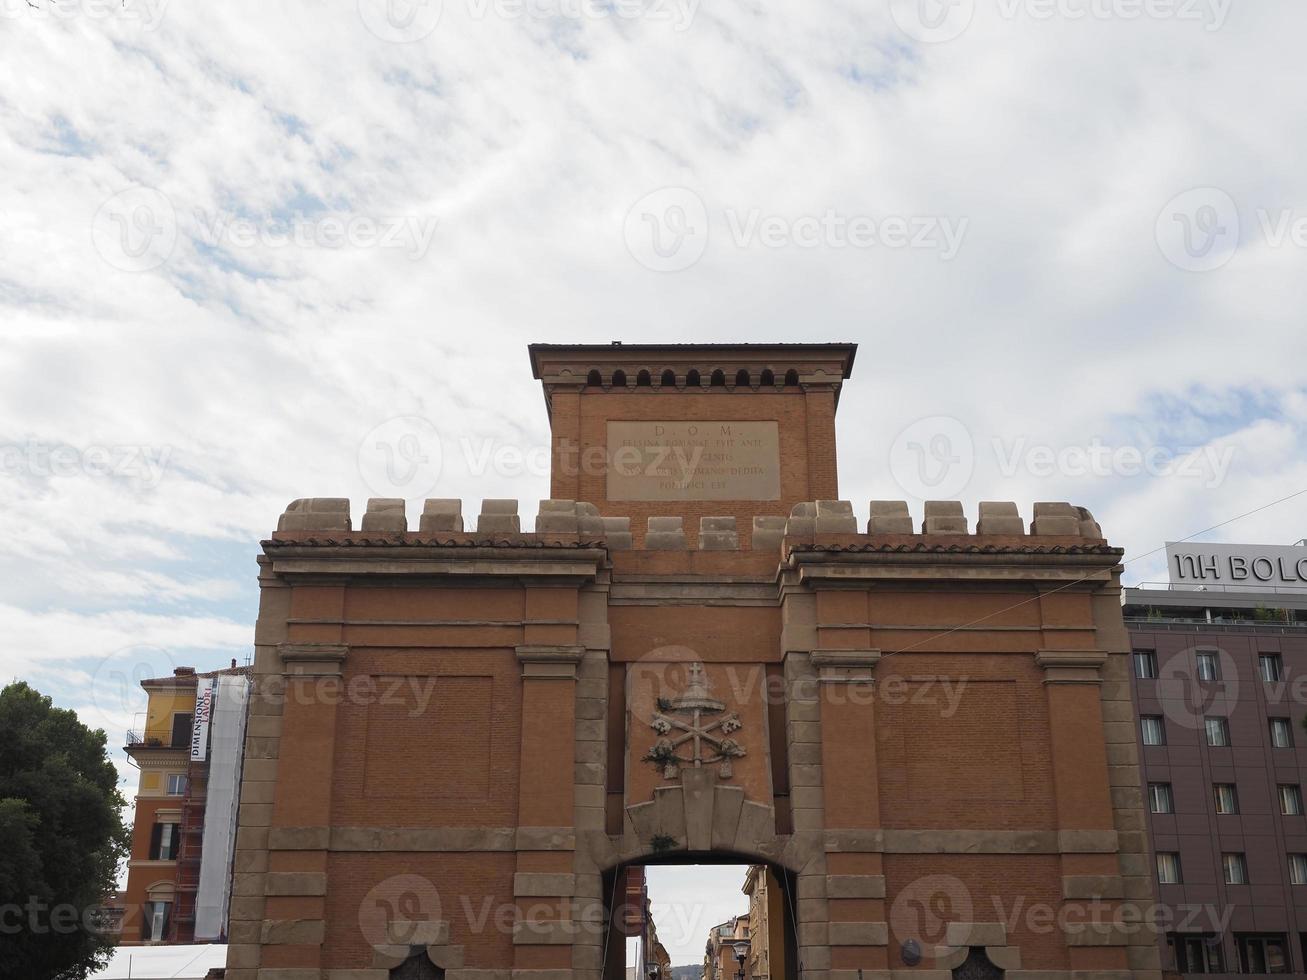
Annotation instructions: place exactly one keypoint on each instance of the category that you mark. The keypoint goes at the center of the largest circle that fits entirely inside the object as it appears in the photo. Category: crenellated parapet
(566, 522)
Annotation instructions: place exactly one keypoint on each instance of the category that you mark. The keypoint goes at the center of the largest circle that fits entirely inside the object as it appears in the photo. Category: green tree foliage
(61, 838)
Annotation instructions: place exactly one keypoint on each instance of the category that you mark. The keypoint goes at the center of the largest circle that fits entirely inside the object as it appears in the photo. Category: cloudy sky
(251, 252)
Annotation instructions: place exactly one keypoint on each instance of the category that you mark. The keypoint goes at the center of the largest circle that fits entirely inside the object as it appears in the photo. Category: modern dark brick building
(1219, 678)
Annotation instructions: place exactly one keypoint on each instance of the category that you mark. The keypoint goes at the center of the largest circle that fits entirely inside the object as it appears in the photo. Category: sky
(687, 900)
(252, 252)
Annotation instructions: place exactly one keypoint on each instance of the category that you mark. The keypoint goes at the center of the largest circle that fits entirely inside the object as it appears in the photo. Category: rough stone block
(836, 517)
(556, 517)
(1055, 518)
(385, 515)
(767, 533)
(499, 517)
(889, 517)
(665, 534)
(445, 514)
(1088, 526)
(316, 514)
(999, 517)
(802, 520)
(718, 534)
(944, 517)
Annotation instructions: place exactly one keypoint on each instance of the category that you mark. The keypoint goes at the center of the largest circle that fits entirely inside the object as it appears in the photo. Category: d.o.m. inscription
(694, 461)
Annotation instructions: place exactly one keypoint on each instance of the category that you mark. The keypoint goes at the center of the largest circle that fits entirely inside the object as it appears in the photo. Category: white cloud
(259, 369)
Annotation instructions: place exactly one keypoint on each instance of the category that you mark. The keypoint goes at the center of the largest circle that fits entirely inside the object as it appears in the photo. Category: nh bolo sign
(200, 720)
(1275, 566)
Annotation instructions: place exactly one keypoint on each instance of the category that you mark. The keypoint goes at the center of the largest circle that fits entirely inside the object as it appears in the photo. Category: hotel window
(1227, 798)
(1236, 869)
(1271, 666)
(1199, 953)
(1261, 954)
(163, 842)
(155, 927)
(176, 783)
(1298, 869)
(1291, 800)
(1146, 665)
(1281, 733)
(1209, 668)
(1159, 798)
(1168, 867)
(1154, 732)
(1218, 731)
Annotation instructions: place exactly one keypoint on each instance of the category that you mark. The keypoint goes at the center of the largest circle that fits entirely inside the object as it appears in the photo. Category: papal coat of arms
(694, 721)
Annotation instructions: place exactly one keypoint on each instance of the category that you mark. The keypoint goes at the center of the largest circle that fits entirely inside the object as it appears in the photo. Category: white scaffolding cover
(228, 733)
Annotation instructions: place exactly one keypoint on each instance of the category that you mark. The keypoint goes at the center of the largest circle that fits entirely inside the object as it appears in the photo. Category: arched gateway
(699, 651)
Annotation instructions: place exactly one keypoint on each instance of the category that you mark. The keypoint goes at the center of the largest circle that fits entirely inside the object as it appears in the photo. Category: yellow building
(767, 945)
(174, 753)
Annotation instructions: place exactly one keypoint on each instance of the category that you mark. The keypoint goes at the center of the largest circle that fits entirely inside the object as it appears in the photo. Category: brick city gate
(698, 650)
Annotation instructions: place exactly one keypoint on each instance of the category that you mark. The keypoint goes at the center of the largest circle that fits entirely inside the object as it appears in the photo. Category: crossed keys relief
(693, 719)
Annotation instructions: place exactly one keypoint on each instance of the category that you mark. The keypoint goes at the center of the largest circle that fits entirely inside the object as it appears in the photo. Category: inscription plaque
(694, 461)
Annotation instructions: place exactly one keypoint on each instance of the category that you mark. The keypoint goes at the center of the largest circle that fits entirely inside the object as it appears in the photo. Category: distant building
(1220, 669)
(767, 919)
(189, 755)
(722, 955)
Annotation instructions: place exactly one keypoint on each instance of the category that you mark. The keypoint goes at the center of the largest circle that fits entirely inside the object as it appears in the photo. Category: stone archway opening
(691, 915)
